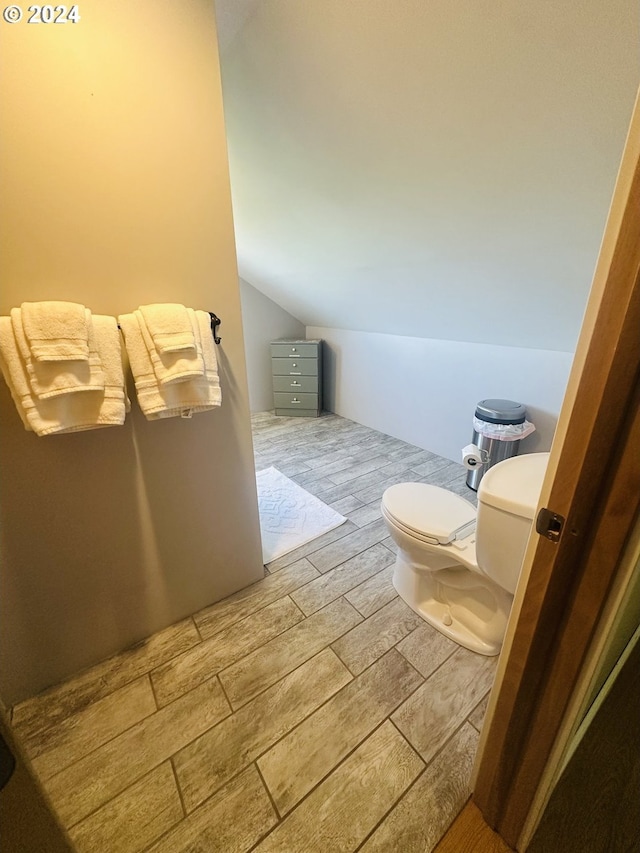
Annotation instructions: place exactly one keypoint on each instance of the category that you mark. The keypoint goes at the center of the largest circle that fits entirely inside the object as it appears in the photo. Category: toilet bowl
(457, 567)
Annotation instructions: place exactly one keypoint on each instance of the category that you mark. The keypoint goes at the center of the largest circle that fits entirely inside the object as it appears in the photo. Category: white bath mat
(289, 516)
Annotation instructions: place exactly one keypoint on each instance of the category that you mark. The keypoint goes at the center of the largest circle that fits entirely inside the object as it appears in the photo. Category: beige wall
(115, 193)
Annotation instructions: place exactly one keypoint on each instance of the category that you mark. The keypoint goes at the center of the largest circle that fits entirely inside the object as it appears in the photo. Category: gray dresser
(296, 369)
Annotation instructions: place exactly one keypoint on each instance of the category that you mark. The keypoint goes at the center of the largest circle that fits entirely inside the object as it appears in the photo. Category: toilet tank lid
(514, 484)
(428, 510)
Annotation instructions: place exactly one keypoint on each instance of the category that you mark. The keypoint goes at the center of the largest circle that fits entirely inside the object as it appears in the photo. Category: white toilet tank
(507, 500)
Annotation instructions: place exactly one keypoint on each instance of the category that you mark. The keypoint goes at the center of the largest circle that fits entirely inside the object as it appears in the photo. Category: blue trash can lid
(501, 412)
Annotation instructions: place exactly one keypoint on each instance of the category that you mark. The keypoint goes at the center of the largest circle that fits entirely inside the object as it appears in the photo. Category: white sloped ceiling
(431, 168)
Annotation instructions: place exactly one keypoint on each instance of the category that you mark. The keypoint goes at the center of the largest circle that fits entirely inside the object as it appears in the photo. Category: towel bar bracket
(215, 322)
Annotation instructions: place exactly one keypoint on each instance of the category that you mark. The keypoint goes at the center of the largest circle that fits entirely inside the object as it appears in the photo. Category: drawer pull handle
(295, 400)
(296, 384)
(293, 349)
(297, 373)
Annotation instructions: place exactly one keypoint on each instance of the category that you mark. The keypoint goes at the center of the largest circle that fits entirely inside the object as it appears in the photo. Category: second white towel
(177, 399)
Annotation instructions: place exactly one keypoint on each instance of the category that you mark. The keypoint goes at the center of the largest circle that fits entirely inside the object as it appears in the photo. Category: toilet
(458, 567)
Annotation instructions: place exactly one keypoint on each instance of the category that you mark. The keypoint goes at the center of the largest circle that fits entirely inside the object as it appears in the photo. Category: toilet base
(468, 608)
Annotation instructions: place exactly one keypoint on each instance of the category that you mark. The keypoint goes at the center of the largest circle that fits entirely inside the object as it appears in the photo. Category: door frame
(593, 483)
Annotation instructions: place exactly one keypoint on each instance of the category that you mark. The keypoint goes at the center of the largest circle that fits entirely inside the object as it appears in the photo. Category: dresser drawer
(295, 350)
(294, 366)
(297, 413)
(294, 384)
(295, 401)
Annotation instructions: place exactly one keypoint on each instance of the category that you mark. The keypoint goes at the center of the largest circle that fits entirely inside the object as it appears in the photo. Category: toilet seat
(428, 513)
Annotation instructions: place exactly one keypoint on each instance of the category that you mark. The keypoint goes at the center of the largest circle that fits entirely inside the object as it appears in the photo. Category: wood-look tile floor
(313, 712)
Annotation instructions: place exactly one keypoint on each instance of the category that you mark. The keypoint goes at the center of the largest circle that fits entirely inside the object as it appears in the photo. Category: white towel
(180, 399)
(56, 331)
(170, 327)
(173, 367)
(14, 371)
(68, 412)
(52, 378)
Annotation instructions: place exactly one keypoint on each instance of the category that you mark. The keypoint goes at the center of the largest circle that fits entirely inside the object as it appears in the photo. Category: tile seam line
(153, 692)
(171, 828)
(263, 781)
(179, 790)
(197, 632)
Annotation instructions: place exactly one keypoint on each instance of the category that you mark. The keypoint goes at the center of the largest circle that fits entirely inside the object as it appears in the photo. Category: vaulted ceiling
(431, 168)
